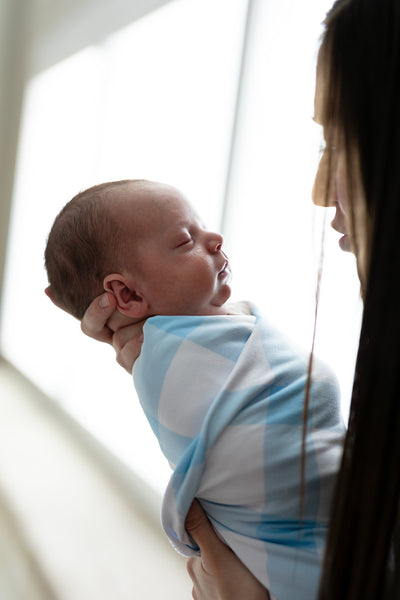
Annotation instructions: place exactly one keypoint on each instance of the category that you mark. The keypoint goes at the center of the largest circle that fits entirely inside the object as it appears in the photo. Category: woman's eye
(324, 147)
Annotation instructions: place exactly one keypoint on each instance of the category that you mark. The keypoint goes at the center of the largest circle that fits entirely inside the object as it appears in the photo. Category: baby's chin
(228, 292)
(221, 304)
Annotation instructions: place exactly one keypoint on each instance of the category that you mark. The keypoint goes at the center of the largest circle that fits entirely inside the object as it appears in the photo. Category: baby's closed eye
(184, 242)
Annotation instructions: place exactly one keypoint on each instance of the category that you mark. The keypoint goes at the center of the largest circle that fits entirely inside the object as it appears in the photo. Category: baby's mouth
(225, 271)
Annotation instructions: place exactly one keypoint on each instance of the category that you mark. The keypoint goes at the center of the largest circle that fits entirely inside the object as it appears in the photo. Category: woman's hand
(218, 574)
(103, 323)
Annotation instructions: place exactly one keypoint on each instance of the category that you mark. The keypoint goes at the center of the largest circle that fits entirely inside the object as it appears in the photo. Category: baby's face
(180, 267)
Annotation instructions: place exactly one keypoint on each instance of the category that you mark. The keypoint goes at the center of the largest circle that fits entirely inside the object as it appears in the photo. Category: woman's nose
(324, 193)
(214, 242)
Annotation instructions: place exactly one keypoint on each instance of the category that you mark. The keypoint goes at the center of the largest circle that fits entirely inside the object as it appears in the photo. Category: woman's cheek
(341, 184)
(323, 189)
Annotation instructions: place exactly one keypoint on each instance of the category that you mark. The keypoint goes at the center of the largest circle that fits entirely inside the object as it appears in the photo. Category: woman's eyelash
(324, 147)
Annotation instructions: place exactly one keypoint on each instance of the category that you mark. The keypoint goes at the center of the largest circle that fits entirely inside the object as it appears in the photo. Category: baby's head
(142, 241)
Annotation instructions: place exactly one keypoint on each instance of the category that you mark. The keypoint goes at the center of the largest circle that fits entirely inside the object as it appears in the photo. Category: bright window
(158, 100)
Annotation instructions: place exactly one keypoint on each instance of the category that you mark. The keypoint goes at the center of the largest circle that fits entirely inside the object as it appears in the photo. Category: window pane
(273, 232)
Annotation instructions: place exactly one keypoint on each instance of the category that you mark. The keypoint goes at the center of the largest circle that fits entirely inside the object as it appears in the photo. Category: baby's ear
(130, 302)
(50, 294)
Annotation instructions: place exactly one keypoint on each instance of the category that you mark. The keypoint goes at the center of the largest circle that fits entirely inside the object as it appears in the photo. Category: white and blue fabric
(225, 397)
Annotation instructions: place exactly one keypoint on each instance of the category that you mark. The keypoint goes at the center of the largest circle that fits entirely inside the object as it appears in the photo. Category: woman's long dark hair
(361, 50)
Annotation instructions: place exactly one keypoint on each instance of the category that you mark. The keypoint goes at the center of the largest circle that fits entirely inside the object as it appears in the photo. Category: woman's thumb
(201, 530)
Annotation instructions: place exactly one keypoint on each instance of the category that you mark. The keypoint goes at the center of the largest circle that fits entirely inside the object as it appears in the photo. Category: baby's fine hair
(84, 245)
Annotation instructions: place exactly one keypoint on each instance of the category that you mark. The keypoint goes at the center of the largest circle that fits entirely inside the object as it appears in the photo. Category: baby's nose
(215, 242)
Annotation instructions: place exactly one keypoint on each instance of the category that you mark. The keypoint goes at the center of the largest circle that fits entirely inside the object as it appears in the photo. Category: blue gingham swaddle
(224, 396)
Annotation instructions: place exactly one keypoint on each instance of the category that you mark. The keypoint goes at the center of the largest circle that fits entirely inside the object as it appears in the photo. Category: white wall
(53, 22)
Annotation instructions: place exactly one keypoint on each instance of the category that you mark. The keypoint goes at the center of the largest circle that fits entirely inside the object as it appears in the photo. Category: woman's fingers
(201, 530)
(127, 343)
(103, 323)
(94, 321)
(218, 574)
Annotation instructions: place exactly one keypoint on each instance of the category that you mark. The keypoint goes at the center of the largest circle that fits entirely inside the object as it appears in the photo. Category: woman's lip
(339, 229)
(338, 226)
(344, 243)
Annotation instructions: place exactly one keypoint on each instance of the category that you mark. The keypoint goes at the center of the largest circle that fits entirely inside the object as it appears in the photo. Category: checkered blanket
(224, 396)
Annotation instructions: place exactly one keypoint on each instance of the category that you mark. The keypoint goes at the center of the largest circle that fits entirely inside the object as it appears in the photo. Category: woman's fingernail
(104, 301)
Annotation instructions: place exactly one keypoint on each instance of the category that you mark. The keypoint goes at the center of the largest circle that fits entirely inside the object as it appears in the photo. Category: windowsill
(91, 525)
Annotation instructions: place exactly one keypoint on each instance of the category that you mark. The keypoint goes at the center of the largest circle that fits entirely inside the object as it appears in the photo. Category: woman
(358, 104)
